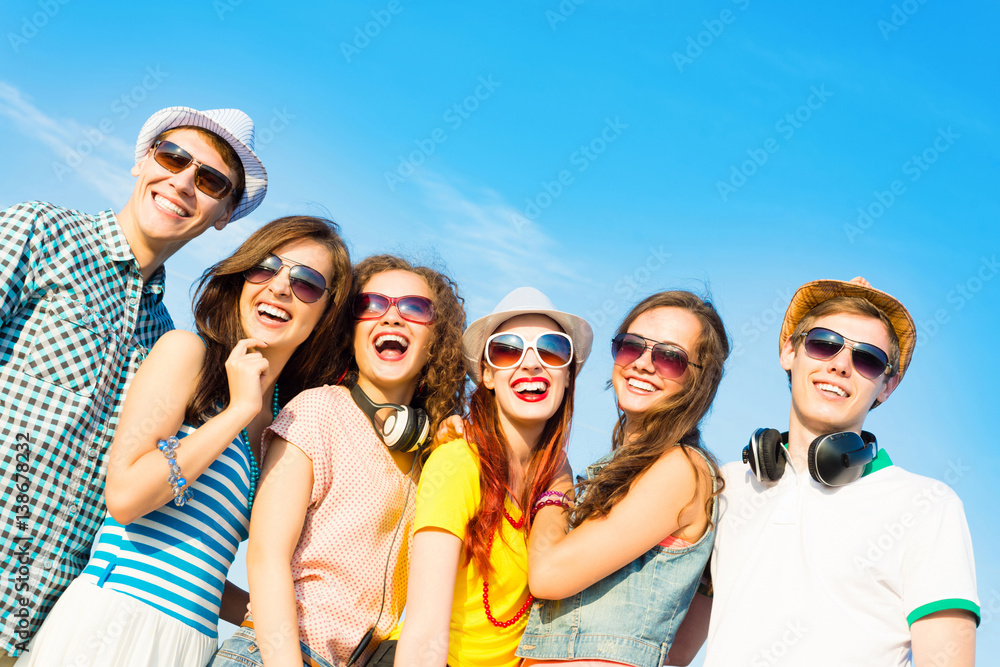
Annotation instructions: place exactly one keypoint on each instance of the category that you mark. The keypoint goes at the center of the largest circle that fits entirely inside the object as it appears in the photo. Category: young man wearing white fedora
(81, 301)
(826, 553)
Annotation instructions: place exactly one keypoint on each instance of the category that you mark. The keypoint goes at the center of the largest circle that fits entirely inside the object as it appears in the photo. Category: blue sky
(598, 151)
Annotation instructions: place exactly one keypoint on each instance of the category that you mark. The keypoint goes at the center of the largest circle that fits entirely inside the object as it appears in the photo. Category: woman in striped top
(156, 583)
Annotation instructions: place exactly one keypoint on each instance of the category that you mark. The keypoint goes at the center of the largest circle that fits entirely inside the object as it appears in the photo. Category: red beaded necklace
(486, 587)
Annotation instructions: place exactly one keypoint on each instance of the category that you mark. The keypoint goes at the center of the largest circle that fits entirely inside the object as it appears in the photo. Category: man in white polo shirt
(826, 553)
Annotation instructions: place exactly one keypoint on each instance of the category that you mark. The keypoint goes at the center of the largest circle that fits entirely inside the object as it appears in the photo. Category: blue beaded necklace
(254, 469)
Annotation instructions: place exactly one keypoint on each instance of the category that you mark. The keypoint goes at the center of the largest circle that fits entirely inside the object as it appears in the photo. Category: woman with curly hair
(617, 585)
(468, 589)
(330, 531)
(182, 471)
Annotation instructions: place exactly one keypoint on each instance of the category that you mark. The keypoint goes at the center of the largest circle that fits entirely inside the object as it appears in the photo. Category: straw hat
(816, 292)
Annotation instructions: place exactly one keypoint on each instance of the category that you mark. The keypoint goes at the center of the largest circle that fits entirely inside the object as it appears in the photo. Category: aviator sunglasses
(822, 344)
(372, 305)
(307, 284)
(670, 361)
(554, 349)
(175, 159)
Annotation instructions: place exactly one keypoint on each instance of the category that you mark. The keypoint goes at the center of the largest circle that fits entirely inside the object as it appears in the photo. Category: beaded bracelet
(547, 494)
(550, 499)
(182, 492)
(551, 502)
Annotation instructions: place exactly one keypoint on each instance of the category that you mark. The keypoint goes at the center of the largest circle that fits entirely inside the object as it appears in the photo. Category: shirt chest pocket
(70, 347)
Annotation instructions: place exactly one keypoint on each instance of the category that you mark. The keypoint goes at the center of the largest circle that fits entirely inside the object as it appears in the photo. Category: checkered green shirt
(75, 322)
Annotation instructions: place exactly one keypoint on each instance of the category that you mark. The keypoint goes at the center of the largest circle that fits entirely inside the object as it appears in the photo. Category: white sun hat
(232, 125)
(524, 301)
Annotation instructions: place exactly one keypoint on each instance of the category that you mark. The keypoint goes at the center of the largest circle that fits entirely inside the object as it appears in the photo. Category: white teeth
(273, 311)
(387, 338)
(170, 206)
(831, 388)
(530, 386)
(639, 384)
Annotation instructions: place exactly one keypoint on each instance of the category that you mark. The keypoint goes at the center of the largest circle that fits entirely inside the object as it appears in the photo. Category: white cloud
(81, 151)
(503, 249)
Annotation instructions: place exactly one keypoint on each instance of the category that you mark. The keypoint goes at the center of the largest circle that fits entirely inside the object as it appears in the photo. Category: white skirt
(96, 627)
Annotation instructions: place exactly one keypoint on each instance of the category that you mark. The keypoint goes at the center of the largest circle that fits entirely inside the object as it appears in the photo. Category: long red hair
(482, 427)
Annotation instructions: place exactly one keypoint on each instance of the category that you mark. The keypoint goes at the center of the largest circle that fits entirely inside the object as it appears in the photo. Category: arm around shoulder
(629, 530)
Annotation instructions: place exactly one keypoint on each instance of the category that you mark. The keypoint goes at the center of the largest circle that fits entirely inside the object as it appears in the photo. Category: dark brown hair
(441, 382)
(324, 355)
(547, 457)
(672, 422)
(225, 151)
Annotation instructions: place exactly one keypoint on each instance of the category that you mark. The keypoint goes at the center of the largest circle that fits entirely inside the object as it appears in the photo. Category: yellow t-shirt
(447, 498)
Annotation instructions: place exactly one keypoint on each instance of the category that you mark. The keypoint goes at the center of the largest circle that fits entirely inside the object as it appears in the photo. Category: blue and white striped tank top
(176, 558)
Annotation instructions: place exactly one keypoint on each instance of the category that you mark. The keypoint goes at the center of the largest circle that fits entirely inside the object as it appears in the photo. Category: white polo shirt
(810, 575)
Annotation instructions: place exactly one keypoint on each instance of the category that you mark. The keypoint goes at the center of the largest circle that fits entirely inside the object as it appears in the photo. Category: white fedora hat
(232, 125)
(524, 301)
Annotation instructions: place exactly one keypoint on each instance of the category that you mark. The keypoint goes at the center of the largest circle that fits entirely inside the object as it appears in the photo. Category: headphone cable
(363, 644)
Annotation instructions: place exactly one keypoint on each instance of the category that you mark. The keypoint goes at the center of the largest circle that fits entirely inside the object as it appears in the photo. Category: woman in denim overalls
(614, 588)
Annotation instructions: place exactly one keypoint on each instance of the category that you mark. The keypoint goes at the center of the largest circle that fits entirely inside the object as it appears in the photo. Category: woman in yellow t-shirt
(467, 599)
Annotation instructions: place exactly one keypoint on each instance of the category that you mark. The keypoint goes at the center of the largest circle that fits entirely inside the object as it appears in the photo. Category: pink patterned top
(357, 498)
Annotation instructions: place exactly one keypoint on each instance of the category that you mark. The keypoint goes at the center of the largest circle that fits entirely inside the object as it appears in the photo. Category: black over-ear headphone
(404, 430)
(834, 460)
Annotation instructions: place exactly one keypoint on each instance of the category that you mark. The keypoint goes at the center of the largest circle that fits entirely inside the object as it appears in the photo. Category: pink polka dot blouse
(357, 498)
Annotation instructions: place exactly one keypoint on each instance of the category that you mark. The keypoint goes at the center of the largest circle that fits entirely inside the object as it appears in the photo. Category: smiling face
(830, 396)
(637, 385)
(390, 351)
(269, 311)
(528, 394)
(166, 210)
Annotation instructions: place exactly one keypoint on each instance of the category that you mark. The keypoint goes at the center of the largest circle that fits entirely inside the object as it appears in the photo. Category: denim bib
(630, 616)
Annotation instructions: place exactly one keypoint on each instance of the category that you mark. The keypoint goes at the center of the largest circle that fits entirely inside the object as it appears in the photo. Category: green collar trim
(880, 461)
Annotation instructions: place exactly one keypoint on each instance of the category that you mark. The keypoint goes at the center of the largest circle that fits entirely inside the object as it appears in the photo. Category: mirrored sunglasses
(670, 361)
(307, 284)
(822, 344)
(554, 349)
